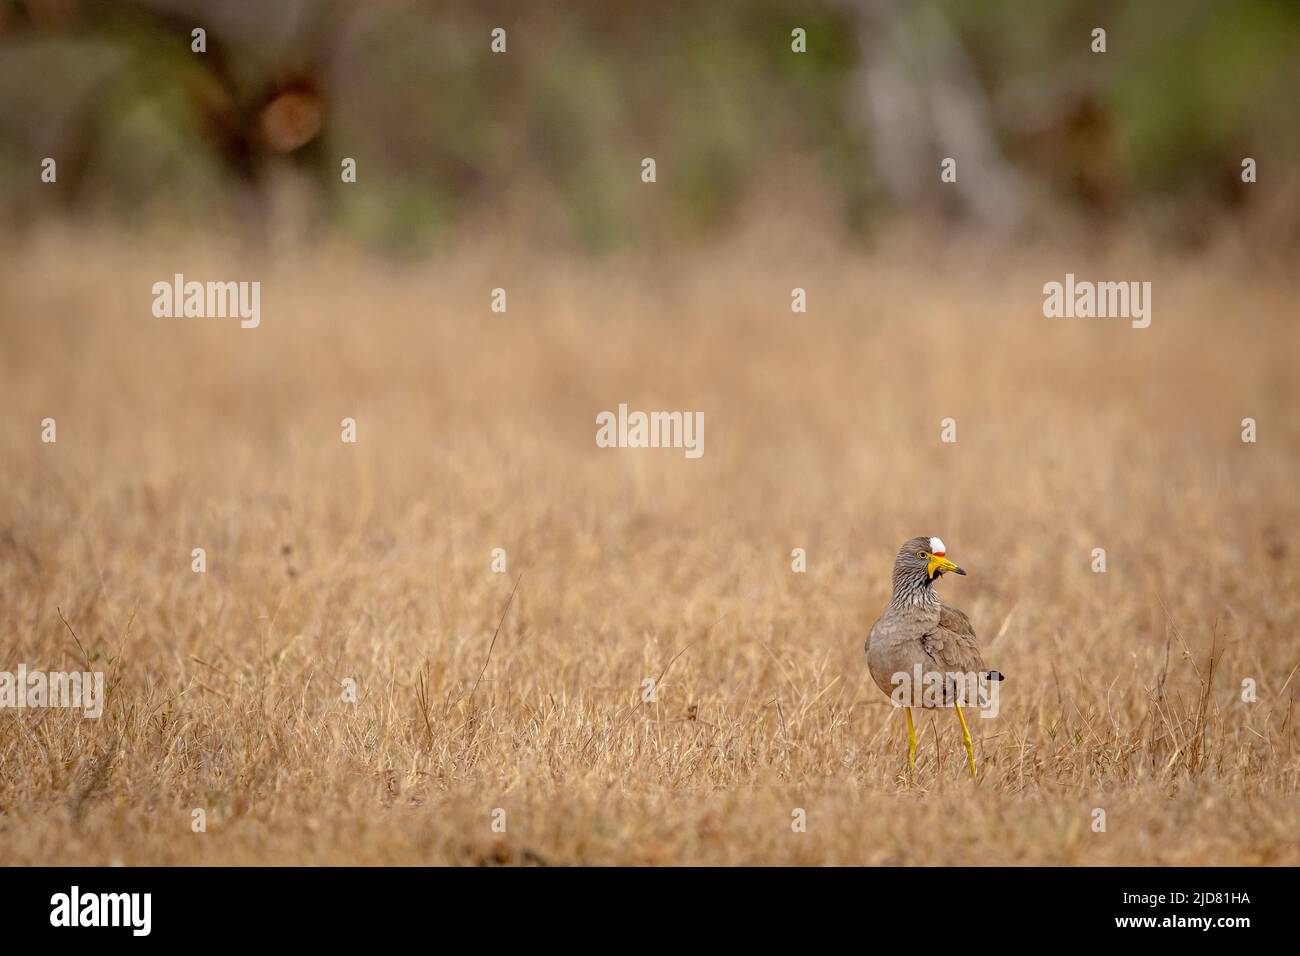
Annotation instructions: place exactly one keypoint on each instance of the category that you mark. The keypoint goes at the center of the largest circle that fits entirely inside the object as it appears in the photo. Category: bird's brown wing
(951, 644)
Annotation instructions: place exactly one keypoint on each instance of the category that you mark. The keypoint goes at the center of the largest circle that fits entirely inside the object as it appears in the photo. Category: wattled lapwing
(921, 652)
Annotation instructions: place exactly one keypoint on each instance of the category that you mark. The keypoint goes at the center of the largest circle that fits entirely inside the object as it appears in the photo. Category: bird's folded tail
(953, 693)
(991, 675)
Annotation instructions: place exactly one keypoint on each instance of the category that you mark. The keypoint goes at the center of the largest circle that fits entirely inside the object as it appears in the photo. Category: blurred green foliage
(446, 133)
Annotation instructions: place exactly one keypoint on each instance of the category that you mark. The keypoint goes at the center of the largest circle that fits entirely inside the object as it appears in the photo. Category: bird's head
(924, 556)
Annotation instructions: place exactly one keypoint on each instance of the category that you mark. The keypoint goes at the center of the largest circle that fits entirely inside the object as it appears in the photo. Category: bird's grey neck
(914, 592)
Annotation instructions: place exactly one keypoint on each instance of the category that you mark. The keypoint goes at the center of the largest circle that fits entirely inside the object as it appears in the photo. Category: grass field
(371, 561)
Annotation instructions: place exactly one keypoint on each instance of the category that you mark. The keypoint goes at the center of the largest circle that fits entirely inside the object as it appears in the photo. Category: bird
(921, 652)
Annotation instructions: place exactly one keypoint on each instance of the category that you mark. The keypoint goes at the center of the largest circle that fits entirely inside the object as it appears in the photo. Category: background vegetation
(1049, 136)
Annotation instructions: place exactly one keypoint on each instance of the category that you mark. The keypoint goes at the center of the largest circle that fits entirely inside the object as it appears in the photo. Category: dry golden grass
(477, 431)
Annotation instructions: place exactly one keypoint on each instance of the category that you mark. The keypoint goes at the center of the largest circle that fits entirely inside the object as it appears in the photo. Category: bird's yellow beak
(940, 564)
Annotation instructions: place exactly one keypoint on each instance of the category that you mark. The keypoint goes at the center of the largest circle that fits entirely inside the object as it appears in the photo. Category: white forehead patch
(936, 546)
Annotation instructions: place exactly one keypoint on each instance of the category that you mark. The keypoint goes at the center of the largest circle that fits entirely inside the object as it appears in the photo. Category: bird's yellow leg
(911, 740)
(965, 739)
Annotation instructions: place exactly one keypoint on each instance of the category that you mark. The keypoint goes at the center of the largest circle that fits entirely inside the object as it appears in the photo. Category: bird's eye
(920, 554)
